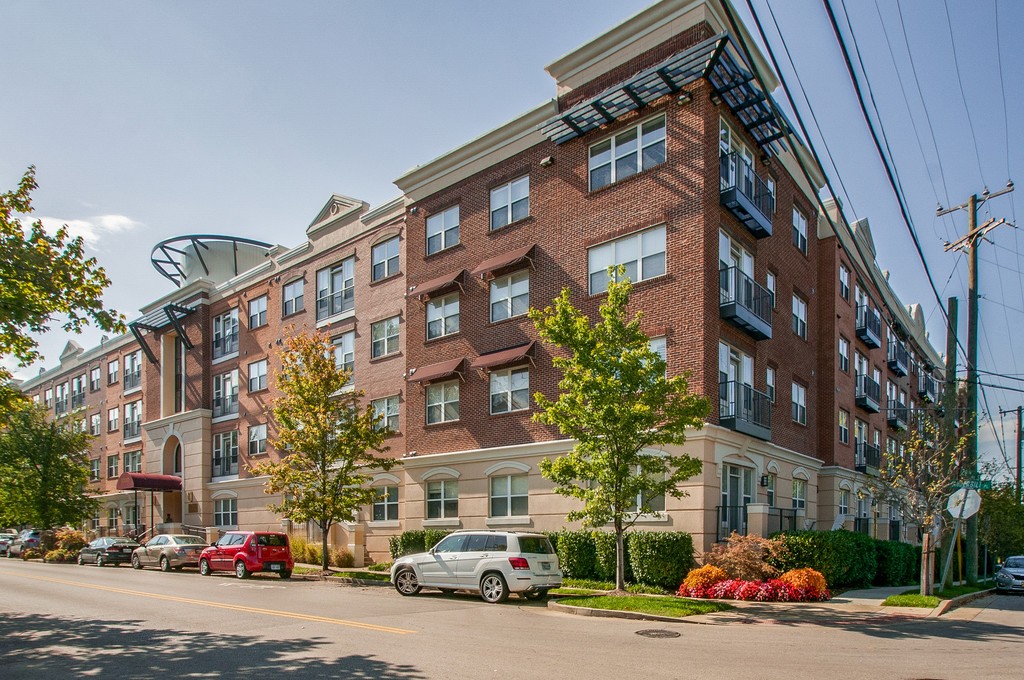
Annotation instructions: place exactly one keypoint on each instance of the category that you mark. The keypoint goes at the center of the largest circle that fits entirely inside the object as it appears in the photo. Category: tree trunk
(325, 557)
(620, 557)
(927, 563)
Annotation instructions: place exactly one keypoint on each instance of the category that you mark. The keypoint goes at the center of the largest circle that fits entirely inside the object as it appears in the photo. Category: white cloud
(91, 229)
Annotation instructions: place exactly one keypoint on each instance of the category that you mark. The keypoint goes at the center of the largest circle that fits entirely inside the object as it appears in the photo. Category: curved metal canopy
(168, 255)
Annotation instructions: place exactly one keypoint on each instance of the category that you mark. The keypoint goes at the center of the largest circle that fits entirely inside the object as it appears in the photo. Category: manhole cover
(658, 633)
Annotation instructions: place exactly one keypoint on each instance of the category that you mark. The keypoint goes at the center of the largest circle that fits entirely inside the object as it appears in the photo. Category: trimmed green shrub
(898, 563)
(604, 547)
(576, 554)
(659, 558)
(60, 555)
(414, 541)
(70, 539)
(432, 537)
(342, 558)
(843, 557)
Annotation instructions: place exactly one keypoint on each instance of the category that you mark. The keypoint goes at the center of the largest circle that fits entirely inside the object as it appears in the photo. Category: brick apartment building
(659, 152)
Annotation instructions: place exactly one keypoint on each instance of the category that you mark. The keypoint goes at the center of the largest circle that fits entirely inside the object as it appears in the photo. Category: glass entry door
(737, 492)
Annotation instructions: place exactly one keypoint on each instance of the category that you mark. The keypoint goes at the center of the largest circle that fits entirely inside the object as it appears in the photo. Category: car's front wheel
(241, 571)
(493, 588)
(406, 582)
(81, 561)
(136, 563)
(204, 567)
(100, 562)
(165, 564)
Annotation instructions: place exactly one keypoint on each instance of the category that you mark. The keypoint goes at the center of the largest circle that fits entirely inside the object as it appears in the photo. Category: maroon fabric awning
(436, 371)
(140, 481)
(503, 357)
(504, 260)
(440, 283)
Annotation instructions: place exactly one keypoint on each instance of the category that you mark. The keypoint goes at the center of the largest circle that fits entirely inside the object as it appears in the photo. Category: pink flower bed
(774, 590)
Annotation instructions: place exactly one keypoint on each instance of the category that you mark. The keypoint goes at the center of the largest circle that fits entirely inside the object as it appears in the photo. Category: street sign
(976, 484)
(963, 503)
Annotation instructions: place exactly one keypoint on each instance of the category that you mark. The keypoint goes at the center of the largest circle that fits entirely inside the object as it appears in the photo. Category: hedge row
(848, 559)
(656, 558)
(414, 541)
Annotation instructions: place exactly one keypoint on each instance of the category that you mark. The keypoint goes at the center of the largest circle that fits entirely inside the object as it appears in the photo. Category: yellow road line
(221, 605)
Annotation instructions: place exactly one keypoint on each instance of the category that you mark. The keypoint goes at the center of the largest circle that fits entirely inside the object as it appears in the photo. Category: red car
(245, 552)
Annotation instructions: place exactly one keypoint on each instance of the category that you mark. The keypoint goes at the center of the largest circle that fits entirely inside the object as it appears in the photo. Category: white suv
(493, 563)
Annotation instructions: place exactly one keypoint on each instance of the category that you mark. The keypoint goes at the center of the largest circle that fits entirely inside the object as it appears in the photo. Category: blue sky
(152, 119)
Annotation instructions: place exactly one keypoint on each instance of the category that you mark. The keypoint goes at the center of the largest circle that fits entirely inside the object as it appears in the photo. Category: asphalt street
(71, 621)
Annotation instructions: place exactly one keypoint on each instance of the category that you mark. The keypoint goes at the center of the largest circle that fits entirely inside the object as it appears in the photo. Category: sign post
(964, 502)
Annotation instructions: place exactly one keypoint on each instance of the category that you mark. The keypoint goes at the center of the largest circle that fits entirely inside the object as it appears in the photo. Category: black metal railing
(745, 302)
(77, 400)
(225, 344)
(781, 519)
(869, 326)
(898, 358)
(132, 379)
(742, 405)
(868, 393)
(61, 406)
(225, 465)
(731, 518)
(894, 530)
(862, 525)
(132, 429)
(226, 405)
(737, 173)
(868, 456)
(927, 388)
(336, 303)
(897, 416)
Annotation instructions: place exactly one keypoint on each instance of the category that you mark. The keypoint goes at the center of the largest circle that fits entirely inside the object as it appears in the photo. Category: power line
(963, 97)
(1002, 90)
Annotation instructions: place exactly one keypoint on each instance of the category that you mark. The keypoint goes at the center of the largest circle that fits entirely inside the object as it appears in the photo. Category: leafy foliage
(897, 563)
(843, 557)
(414, 541)
(44, 465)
(660, 558)
(773, 590)
(619, 406)
(577, 555)
(332, 437)
(748, 558)
(704, 577)
(807, 579)
(43, 276)
(1001, 521)
(70, 539)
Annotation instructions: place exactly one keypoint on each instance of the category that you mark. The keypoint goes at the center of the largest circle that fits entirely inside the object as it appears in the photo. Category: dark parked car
(5, 542)
(108, 550)
(244, 552)
(27, 539)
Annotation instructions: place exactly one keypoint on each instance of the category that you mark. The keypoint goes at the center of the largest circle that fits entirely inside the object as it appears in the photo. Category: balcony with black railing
(746, 195)
(60, 406)
(225, 465)
(132, 379)
(869, 394)
(869, 326)
(77, 400)
(132, 429)
(225, 405)
(898, 358)
(897, 416)
(745, 303)
(225, 344)
(869, 458)
(731, 518)
(927, 388)
(781, 519)
(744, 409)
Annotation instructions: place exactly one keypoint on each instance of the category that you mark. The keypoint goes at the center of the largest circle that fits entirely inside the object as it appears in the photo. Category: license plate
(546, 566)
(275, 567)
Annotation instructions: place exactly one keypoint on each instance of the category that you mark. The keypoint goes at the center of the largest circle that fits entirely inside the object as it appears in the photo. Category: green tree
(332, 437)
(617, 403)
(919, 477)
(43, 276)
(44, 465)
(1001, 521)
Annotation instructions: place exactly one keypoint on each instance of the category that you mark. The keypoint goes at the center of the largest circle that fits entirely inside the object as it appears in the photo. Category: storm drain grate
(658, 633)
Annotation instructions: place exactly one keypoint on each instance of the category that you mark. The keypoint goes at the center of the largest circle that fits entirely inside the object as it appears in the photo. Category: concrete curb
(614, 614)
(947, 605)
(340, 580)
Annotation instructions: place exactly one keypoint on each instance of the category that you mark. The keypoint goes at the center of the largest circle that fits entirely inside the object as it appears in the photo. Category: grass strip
(362, 575)
(911, 599)
(658, 606)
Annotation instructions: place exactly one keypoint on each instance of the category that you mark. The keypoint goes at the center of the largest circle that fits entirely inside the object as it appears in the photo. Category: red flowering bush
(773, 590)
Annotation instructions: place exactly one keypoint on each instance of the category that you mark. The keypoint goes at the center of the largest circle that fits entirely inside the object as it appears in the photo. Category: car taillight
(179, 551)
(519, 563)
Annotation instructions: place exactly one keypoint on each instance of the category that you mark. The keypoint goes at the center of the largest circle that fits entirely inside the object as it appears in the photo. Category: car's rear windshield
(537, 545)
(272, 539)
(190, 540)
(1015, 563)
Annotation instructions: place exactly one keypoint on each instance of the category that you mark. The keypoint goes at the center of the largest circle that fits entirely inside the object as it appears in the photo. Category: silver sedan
(169, 551)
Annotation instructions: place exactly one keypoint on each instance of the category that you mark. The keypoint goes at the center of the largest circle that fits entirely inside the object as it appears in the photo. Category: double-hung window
(800, 231)
(800, 316)
(258, 375)
(510, 390)
(384, 337)
(133, 420)
(844, 502)
(112, 418)
(510, 295)
(385, 506)
(257, 439)
(225, 512)
(510, 202)
(111, 467)
(769, 379)
(225, 393)
(509, 496)
(336, 289)
(48, 398)
(844, 282)
(799, 403)
(94, 470)
(384, 259)
(844, 355)
(94, 424)
(292, 297)
(225, 453)
(443, 230)
(799, 494)
(642, 254)
(443, 316)
(112, 372)
(345, 353)
(627, 153)
(443, 402)
(258, 312)
(769, 283)
(844, 427)
(94, 379)
(443, 499)
(133, 461)
(387, 410)
(225, 334)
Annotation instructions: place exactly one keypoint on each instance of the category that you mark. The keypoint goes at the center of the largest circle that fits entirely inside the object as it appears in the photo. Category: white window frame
(292, 294)
(799, 410)
(225, 388)
(345, 353)
(510, 295)
(336, 289)
(113, 371)
(113, 419)
(510, 203)
(225, 511)
(769, 379)
(386, 503)
(844, 354)
(132, 461)
(509, 495)
(799, 493)
(844, 282)
(225, 335)
(384, 337)
(94, 424)
(799, 230)
(112, 466)
(629, 144)
(443, 313)
(258, 312)
(447, 492)
(94, 469)
(440, 396)
(257, 439)
(844, 502)
(258, 375)
(225, 446)
(384, 259)
(443, 230)
(387, 408)
(506, 384)
(799, 316)
(659, 346)
(769, 283)
(844, 426)
(769, 490)
(644, 250)
(94, 379)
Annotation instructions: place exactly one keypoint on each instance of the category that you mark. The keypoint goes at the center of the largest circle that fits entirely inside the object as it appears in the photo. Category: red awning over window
(141, 481)
(506, 260)
(436, 371)
(502, 358)
(440, 283)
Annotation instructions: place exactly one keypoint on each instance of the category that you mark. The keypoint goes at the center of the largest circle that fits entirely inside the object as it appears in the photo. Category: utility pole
(969, 242)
